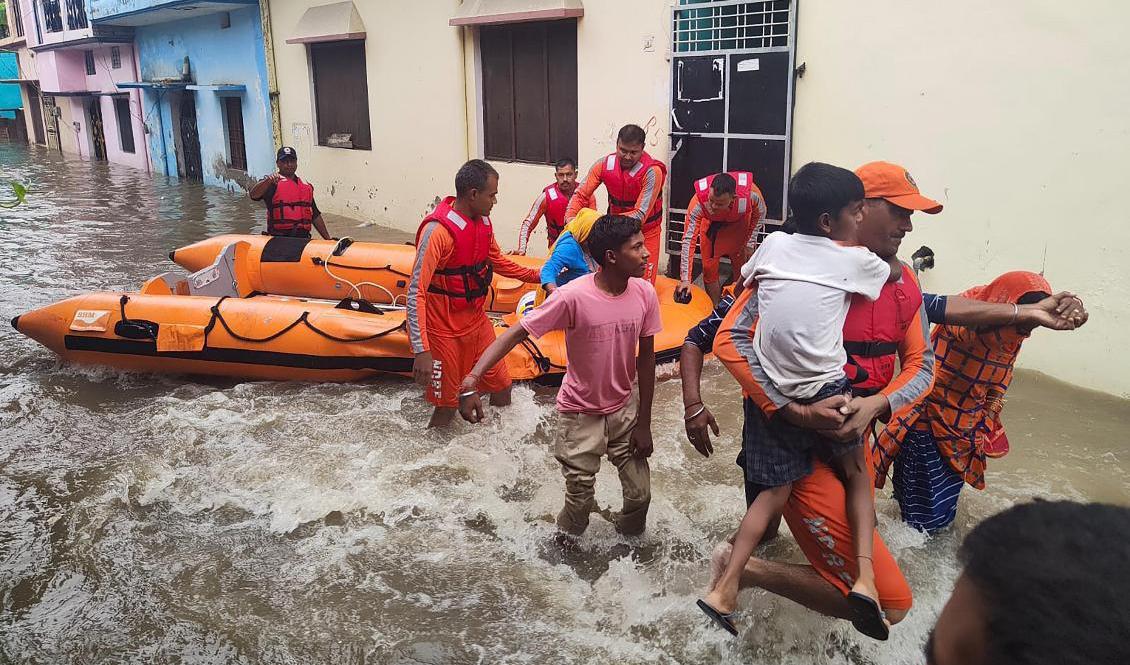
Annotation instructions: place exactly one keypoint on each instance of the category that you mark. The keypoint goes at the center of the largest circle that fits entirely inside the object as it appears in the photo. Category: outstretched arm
(582, 195)
(470, 405)
(1062, 311)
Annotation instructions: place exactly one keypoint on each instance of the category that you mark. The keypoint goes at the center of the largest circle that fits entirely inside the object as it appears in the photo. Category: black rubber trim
(871, 349)
(284, 249)
(239, 356)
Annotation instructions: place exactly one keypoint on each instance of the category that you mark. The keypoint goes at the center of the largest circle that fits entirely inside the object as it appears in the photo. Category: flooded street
(154, 519)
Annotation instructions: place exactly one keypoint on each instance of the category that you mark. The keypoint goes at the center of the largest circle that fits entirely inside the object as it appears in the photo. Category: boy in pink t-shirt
(604, 316)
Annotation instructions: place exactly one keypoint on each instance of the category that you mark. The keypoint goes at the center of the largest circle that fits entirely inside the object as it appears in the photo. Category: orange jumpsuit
(455, 337)
(650, 196)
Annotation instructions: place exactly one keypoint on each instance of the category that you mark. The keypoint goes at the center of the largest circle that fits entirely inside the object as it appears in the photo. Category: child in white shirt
(805, 281)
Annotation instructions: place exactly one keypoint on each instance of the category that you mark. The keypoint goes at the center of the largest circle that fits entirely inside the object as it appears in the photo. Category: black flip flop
(724, 620)
(867, 617)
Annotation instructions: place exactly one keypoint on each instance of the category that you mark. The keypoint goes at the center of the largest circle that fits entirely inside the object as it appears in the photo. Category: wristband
(467, 394)
(1015, 313)
(695, 414)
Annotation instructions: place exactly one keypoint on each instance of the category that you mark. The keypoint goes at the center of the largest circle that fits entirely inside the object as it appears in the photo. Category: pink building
(77, 66)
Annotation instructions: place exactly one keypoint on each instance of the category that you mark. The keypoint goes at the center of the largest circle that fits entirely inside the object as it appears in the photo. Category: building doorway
(35, 106)
(97, 135)
(190, 138)
(731, 100)
(51, 114)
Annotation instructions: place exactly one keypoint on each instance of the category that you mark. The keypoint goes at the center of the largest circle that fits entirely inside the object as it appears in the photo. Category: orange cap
(884, 180)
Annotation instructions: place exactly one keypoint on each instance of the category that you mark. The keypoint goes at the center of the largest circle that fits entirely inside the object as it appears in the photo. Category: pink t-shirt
(602, 332)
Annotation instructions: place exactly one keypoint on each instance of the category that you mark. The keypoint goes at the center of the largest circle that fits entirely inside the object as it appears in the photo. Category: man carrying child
(804, 283)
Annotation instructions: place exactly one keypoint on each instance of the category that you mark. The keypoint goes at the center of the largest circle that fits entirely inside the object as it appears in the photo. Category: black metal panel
(694, 157)
(766, 160)
(759, 93)
(697, 94)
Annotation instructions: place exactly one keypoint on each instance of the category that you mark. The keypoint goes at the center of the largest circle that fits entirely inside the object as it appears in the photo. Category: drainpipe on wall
(141, 109)
(466, 103)
(272, 79)
(161, 128)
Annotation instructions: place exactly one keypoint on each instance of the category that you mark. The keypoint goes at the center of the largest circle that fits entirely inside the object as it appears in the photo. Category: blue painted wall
(9, 92)
(101, 10)
(231, 55)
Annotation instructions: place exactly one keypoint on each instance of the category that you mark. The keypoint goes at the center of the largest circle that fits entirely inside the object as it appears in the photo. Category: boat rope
(217, 317)
(336, 251)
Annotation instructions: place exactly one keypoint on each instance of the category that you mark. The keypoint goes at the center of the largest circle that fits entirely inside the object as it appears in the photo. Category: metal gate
(732, 75)
(97, 136)
(51, 117)
(190, 137)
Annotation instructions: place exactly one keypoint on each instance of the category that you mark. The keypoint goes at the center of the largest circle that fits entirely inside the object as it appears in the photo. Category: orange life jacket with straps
(873, 330)
(624, 187)
(291, 210)
(747, 195)
(555, 204)
(465, 279)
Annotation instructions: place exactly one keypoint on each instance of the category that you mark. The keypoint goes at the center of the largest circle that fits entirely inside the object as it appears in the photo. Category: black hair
(819, 188)
(1052, 575)
(631, 135)
(609, 233)
(724, 183)
(473, 175)
(563, 162)
(1031, 298)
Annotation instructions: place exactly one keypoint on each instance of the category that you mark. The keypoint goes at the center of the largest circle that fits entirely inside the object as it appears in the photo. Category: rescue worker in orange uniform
(291, 210)
(634, 181)
(551, 204)
(456, 256)
(724, 216)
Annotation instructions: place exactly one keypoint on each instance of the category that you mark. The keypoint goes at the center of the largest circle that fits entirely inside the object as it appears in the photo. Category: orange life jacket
(873, 330)
(555, 204)
(291, 209)
(466, 278)
(624, 187)
(747, 195)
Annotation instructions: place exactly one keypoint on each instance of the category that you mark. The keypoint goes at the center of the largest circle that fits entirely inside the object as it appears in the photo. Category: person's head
(1019, 287)
(565, 170)
(826, 201)
(723, 189)
(891, 197)
(629, 145)
(1044, 583)
(476, 184)
(286, 159)
(616, 244)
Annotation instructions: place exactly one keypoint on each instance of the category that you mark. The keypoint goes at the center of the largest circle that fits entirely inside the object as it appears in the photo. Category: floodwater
(149, 519)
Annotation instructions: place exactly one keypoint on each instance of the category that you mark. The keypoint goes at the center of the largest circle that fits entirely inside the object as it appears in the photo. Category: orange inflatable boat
(213, 323)
(334, 270)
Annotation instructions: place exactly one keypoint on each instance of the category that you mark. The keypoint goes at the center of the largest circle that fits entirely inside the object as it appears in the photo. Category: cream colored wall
(416, 112)
(610, 42)
(1014, 116)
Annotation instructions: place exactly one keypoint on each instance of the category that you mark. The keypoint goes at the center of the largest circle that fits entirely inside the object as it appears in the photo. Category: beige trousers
(584, 439)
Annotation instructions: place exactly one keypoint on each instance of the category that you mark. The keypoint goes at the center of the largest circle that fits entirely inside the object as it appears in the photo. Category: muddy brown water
(149, 519)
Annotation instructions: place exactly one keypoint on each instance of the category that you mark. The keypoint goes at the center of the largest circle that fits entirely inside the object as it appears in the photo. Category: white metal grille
(717, 25)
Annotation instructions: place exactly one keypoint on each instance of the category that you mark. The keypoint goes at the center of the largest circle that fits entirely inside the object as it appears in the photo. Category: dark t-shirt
(269, 195)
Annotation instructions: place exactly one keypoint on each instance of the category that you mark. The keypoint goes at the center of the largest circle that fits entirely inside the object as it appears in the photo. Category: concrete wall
(232, 55)
(425, 109)
(415, 77)
(612, 31)
(1014, 116)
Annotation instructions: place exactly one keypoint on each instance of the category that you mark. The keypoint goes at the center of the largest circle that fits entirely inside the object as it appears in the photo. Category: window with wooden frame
(115, 57)
(89, 57)
(237, 147)
(341, 94)
(529, 74)
(125, 123)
